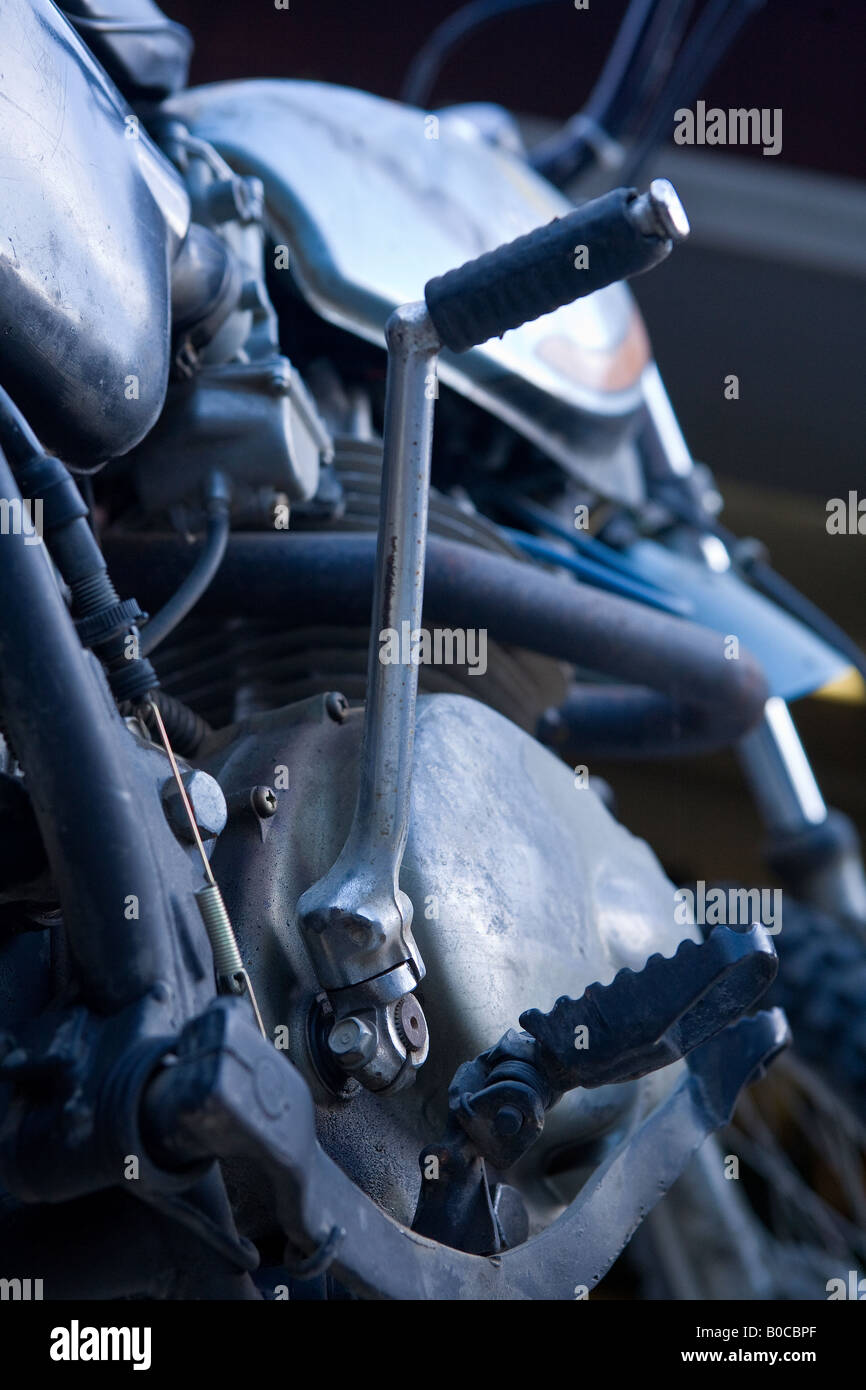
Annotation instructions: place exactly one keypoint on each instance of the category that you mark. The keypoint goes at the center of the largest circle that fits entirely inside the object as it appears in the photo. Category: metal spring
(227, 958)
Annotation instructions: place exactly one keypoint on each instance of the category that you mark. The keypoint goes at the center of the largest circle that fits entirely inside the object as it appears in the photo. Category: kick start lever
(356, 921)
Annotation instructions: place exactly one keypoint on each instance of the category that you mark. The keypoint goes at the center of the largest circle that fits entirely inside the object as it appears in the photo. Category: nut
(206, 799)
(352, 1041)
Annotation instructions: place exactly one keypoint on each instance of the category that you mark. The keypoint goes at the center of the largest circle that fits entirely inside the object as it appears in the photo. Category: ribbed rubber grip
(541, 271)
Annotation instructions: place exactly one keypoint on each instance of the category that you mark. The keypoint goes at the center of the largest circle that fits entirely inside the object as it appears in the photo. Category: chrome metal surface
(356, 920)
(790, 803)
(659, 212)
(374, 198)
(779, 773)
(352, 1041)
(668, 443)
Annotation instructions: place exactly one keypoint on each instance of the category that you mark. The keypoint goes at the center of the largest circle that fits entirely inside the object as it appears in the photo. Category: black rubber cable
(186, 729)
(74, 750)
(200, 576)
(714, 32)
(640, 60)
(427, 64)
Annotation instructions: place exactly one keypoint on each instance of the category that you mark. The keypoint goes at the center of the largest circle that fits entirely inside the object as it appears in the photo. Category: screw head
(336, 706)
(264, 801)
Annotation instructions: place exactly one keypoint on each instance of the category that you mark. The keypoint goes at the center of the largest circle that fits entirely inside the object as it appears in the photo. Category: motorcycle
(275, 903)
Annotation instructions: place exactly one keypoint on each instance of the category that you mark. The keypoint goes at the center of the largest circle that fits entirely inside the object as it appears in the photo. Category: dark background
(806, 57)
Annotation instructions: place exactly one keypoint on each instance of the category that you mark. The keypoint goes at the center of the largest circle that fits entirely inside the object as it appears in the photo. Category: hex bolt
(336, 706)
(207, 802)
(352, 1041)
(264, 801)
(508, 1121)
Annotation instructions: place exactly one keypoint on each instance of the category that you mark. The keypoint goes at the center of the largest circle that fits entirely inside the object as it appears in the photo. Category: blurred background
(771, 286)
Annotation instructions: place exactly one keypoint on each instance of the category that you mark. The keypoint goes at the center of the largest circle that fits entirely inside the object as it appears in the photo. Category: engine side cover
(524, 888)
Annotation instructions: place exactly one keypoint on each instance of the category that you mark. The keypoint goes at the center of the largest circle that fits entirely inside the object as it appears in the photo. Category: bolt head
(264, 801)
(352, 1041)
(206, 799)
(336, 706)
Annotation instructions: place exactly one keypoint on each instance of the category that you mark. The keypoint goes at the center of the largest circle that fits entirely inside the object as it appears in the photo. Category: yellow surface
(849, 689)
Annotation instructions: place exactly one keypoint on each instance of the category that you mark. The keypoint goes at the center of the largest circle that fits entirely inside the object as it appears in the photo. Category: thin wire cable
(428, 62)
(242, 973)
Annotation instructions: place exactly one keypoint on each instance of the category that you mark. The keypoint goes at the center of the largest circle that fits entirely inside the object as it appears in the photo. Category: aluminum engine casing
(538, 890)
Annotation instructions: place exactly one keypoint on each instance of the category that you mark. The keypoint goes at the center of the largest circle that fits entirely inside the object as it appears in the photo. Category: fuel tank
(373, 198)
(93, 215)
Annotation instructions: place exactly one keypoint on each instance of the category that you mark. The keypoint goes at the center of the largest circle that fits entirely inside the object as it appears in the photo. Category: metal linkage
(356, 920)
(638, 1023)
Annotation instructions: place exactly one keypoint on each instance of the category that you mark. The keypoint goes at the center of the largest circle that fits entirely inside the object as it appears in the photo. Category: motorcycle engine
(524, 888)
